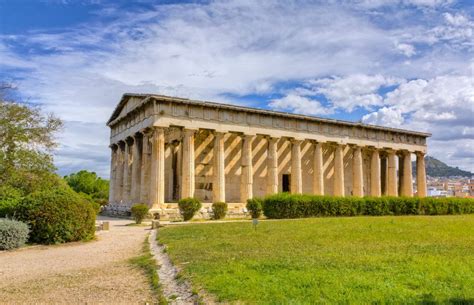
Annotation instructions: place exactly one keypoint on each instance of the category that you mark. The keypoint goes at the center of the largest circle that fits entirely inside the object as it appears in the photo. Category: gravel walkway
(92, 272)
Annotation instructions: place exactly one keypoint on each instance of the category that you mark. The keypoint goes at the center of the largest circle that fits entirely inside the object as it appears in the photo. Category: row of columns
(133, 168)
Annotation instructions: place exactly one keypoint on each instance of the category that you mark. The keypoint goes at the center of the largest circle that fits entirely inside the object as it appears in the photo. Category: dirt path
(176, 292)
(92, 272)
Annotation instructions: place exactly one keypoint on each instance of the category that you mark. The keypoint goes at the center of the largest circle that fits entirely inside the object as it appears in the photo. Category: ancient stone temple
(167, 148)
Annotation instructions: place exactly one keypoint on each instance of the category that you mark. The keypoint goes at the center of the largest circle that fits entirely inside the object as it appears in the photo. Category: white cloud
(385, 116)
(251, 47)
(406, 49)
(299, 104)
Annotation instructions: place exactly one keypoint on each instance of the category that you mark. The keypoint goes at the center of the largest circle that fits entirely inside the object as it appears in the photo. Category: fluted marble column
(113, 172)
(246, 181)
(392, 174)
(318, 170)
(187, 176)
(136, 167)
(296, 177)
(118, 196)
(420, 174)
(357, 173)
(219, 168)
(407, 185)
(127, 177)
(145, 169)
(375, 182)
(157, 179)
(272, 166)
(339, 171)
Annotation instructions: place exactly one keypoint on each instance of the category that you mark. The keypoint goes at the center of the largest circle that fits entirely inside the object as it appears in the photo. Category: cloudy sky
(400, 63)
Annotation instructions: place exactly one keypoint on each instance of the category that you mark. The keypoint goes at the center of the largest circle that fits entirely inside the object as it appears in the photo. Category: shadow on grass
(430, 300)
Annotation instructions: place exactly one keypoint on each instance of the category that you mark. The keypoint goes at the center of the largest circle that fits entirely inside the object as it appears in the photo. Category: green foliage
(330, 260)
(89, 183)
(139, 212)
(95, 205)
(9, 199)
(188, 207)
(219, 210)
(26, 141)
(57, 215)
(13, 234)
(287, 205)
(254, 206)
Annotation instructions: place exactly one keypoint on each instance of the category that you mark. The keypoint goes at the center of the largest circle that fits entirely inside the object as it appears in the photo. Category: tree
(89, 183)
(26, 143)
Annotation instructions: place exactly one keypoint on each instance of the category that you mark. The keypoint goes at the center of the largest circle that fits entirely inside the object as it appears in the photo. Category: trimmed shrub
(285, 205)
(254, 206)
(13, 234)
(219, 210)
(139, 212)
(56, 216)
(188, 207)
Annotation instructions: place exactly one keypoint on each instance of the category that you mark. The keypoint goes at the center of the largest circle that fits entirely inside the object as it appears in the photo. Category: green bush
(57, 215)
(285, 205)
(13, 234)
(254, 206)
(139, 212)
(219, 210)
(188, 207)
(9, 198)
(95, 205)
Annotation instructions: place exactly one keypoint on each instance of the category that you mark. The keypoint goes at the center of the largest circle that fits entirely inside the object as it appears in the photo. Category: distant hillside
(436, 168)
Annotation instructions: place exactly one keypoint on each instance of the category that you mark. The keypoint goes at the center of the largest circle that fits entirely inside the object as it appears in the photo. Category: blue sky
(400, 63)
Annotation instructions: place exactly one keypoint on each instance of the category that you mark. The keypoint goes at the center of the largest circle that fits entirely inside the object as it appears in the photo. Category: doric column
(136, 167)
(157, 181)
(392, 174)
(318, 170)
(187, 176)
(357, 173)
(407, 185)
(272, 166)
(118, 196)
(145, 169)
(296, 178)
(246, 178)
(113, 172)
(375, 182)
(219, 168)
(127, 177)
(420, 174)
(339, 171)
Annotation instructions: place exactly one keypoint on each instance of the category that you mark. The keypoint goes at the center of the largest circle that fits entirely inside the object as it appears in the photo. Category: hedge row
(287, 205)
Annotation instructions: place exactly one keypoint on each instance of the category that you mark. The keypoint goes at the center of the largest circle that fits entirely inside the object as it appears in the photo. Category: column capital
(219, 134)
(272, 139)
(189, 131)
(146, 132)
(420, 153)
(355, 146)
(296, 141)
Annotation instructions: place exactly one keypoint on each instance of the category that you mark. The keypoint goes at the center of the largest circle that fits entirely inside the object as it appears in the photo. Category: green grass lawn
(403, 259)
